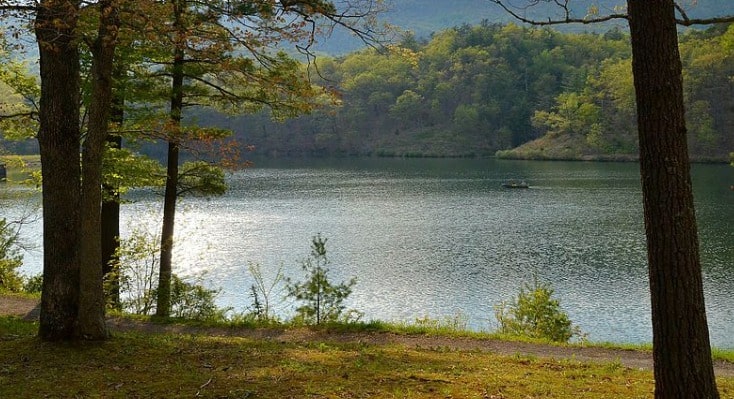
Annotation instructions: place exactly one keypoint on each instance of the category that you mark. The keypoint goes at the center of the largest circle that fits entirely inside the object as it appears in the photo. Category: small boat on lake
(515, 184)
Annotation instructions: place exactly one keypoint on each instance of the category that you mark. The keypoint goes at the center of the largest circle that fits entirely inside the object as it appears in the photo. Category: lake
(441, 237)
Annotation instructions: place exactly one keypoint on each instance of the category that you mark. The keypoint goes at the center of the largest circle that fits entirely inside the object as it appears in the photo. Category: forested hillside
(492, 86)
(474, 90)
(425, 17)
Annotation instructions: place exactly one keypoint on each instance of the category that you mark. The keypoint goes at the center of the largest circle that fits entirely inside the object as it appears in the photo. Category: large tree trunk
(681, 348)
(58, 139)
(91, 297)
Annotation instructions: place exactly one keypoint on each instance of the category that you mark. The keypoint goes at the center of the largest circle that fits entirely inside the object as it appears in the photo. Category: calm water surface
(441, 237)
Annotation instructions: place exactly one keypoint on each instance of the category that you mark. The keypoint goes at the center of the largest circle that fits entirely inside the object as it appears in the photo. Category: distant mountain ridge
(425, 17)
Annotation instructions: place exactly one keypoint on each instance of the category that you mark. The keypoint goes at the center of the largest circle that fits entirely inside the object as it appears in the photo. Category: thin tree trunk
(163, 305)
(681, 348)
(91, 298)
(58, 139)
(110, 240)
(111, 204)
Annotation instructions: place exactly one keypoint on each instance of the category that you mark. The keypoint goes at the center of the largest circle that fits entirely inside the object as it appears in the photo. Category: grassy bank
(144, 365)
(562, 148)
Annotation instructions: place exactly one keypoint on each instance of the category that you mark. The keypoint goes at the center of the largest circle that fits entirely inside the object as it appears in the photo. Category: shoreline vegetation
(32, 162)
(336, 360)
(570, 149)
(21, 311)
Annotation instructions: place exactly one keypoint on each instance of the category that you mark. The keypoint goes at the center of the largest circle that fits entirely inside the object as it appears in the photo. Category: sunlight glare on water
(438, 238)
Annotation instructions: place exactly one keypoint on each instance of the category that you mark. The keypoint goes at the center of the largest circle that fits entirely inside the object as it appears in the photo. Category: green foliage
(33, 284)
(481, 84)
(535, 314)
(137, 271)
(262, 293)
(322, 300)
(124, 169)
(19, 94)
(193, 301)
(492, 87)
(10, 258)
(201, 178)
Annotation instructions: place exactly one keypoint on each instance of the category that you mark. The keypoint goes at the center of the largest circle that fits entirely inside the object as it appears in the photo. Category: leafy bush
(137, 271)
(10, 279)
(138, 276)
(535, 314)
(10, 258)
(322, 301)
(193, 301)
(33, 284)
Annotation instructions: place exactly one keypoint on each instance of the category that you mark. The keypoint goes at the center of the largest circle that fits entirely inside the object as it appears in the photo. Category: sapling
(322, 301)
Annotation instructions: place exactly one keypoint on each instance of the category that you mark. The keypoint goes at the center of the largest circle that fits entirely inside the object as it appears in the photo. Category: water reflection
(437, 237)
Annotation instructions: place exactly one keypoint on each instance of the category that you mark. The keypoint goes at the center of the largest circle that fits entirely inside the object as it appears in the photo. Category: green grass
(725, 355)
(139, 365)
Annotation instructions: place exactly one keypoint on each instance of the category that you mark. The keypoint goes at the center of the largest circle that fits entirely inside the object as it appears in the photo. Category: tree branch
(682, 20)
(23, 8)
(685, 21)
(30, 114)
(566, 20)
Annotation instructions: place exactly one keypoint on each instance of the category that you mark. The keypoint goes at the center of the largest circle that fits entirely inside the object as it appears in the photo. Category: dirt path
(28, 309)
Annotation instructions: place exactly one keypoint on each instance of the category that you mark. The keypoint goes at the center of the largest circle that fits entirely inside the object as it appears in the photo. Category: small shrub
(10, 258)
(136, 272)
(322, 301)
(33, 284)
(193, 301)
(262, 292)
(10, 279)
(535, 314)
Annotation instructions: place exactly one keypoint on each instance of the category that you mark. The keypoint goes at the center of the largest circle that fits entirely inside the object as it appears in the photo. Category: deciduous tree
(92, 302)
(72, 302)
(59, 139)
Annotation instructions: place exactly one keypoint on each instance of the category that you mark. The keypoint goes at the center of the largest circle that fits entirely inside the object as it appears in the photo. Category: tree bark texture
(91, 297)
(681, 347)
(163, 304)
(110, 240)
(58, 139)
(111, 200)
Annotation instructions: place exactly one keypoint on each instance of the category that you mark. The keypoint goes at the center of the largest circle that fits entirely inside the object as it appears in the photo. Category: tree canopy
(474, 90)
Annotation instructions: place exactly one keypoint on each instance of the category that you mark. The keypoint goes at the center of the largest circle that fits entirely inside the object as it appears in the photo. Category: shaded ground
(29, 309)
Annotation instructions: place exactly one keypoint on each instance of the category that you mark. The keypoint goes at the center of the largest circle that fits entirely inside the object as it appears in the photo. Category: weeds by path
(147, 360)
(295, 364)
(144, 365)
